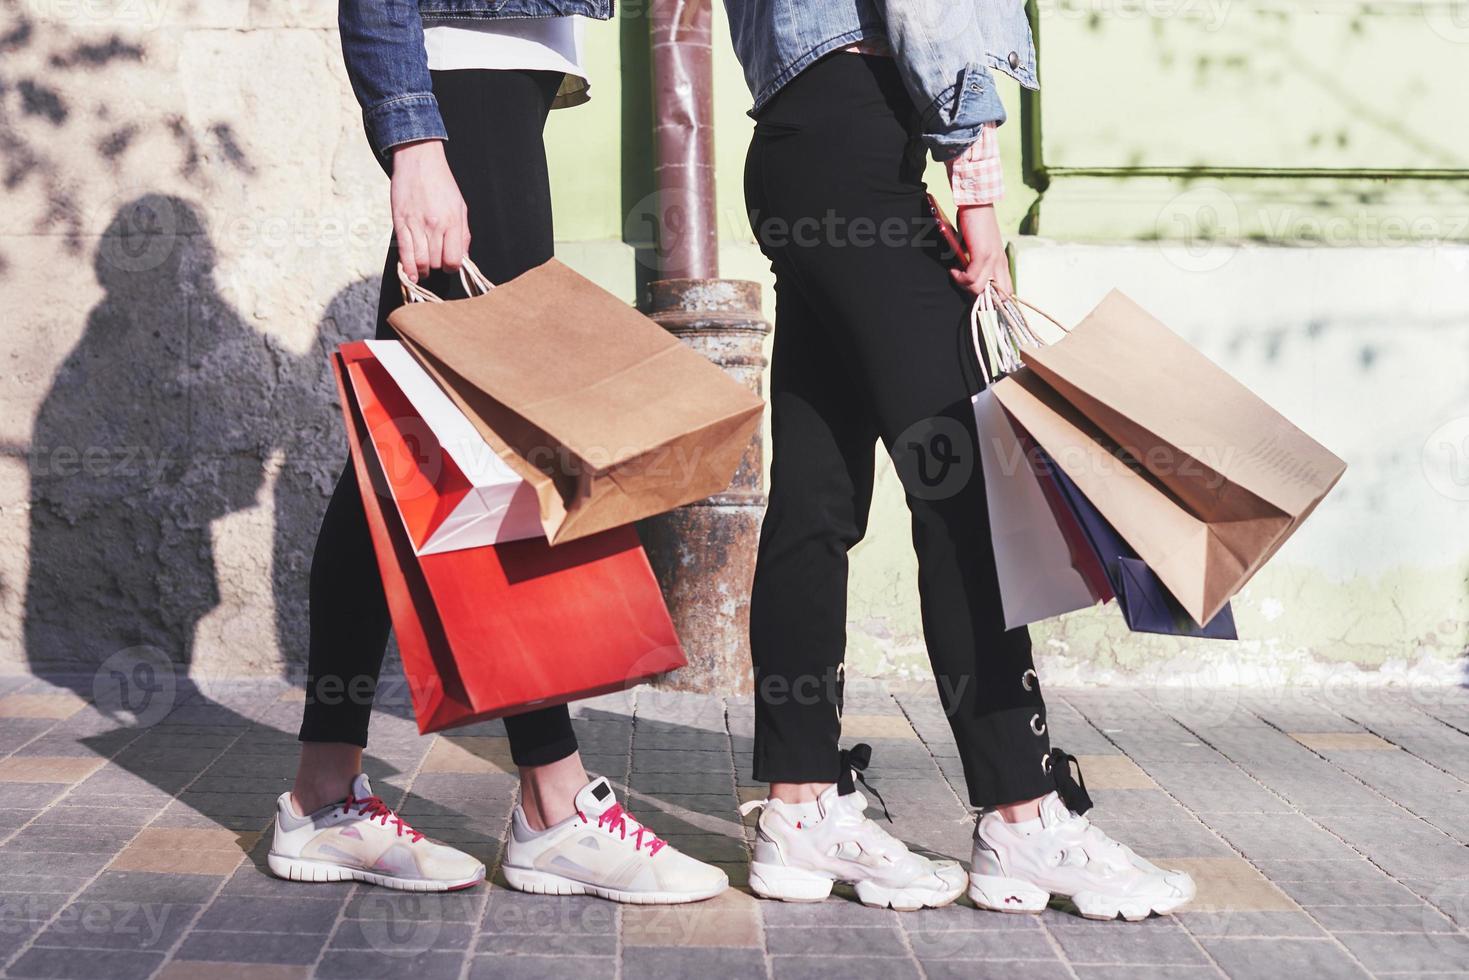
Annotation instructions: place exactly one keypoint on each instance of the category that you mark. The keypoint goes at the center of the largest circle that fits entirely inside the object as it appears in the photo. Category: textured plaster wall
(190, 220)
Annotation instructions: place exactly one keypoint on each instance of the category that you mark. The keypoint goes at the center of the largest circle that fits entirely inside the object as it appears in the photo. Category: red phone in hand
(950, 233)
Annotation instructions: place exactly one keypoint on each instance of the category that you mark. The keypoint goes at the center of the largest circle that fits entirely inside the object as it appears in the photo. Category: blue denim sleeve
(382, 45)
(941, 54)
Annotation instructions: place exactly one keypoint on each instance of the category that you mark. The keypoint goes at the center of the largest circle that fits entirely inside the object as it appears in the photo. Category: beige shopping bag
(609, 417)
(1193, 469)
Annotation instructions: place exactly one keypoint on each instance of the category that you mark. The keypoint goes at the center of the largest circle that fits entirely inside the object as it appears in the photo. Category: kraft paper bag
(1202, 477)
(603, 412)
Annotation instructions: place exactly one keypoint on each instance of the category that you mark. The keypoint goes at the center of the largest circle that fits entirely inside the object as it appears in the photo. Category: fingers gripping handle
(474, 281)
(999, 330)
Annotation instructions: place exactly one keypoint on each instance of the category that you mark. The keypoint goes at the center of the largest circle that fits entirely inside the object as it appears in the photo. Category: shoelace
(615, 818)
(854, 762)
(373, 808)
(1072, 791)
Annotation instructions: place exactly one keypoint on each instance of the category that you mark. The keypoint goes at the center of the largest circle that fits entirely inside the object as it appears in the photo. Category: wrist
(418, 150)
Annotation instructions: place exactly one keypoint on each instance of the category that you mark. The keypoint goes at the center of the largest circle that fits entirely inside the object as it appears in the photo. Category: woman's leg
(821, 474)
(836, 157)
(569, 835)
(841, 198)
(495, 121)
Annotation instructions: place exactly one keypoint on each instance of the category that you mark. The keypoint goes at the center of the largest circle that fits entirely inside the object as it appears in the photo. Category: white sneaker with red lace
(603, 851)
(362, 839)
(1066, 854)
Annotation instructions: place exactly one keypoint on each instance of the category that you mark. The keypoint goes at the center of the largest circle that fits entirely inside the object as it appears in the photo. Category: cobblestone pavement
(1328, 835)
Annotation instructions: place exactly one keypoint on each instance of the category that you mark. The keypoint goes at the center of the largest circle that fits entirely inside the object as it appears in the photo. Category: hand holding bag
(1197, 473)
(606, 415)
(1105, 563)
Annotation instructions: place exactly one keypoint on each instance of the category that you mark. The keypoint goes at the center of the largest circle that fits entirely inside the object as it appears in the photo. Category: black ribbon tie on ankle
(1072, 791)
(854, 762)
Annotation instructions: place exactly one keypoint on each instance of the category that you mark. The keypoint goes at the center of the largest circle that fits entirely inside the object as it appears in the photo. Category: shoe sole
(787, 884)
(545, 883)
(319, 872)
(1013, 896)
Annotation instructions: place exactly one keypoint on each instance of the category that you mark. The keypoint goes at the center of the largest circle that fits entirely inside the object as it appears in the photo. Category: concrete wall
(190, 219)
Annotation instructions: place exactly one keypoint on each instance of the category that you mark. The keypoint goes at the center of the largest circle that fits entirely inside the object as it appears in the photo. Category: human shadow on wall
(163, 420)
(150, 432)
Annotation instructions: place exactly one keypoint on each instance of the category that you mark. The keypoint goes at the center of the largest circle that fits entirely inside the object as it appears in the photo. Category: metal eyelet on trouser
(1027, 680)
(1046, 763)
(1033, 720)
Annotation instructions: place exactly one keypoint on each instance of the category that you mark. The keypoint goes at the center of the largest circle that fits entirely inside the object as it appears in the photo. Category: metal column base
(704, 554)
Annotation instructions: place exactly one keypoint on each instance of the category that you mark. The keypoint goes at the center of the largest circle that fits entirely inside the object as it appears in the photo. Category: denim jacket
(944, 49)
(382, 44)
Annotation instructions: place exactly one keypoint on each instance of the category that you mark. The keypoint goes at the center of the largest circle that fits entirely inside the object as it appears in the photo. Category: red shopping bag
(499, 630)
(1083, 556)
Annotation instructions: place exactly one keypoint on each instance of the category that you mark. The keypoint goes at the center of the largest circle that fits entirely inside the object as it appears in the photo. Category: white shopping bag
(1037, 575)
(459, 493)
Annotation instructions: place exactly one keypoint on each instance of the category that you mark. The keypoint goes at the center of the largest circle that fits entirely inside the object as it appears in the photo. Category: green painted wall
(1335, 122)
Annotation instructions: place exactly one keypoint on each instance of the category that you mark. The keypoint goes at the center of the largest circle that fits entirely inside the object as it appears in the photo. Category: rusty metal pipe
(704, 554)
(683, 137)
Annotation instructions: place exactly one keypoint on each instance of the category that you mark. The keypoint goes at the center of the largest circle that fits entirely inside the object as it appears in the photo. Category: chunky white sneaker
(361, 839)
(603, 851)
(1068, 855)
(799, 861)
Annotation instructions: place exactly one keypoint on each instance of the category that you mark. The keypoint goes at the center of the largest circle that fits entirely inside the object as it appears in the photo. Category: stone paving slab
(1327, 831)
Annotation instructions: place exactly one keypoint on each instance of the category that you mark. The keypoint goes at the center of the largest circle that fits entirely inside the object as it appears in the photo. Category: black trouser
(494, 120)
(871, 342)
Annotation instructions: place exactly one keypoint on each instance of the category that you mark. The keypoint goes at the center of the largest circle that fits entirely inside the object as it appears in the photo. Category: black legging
(871, 343)
(495, 120)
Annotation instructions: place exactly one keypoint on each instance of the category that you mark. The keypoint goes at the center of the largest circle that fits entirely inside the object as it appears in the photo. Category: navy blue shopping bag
(1146, 604)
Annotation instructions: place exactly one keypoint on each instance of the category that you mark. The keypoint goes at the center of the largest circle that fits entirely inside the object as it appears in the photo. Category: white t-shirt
(533, 44)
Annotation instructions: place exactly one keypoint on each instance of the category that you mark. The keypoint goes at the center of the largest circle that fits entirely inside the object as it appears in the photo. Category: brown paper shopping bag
(1193, 469)
(609, 417)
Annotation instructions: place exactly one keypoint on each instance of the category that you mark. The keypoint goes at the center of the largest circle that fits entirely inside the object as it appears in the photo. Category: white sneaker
(1069, 856)
(799, 861)
(603, 851)
(361, 839)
